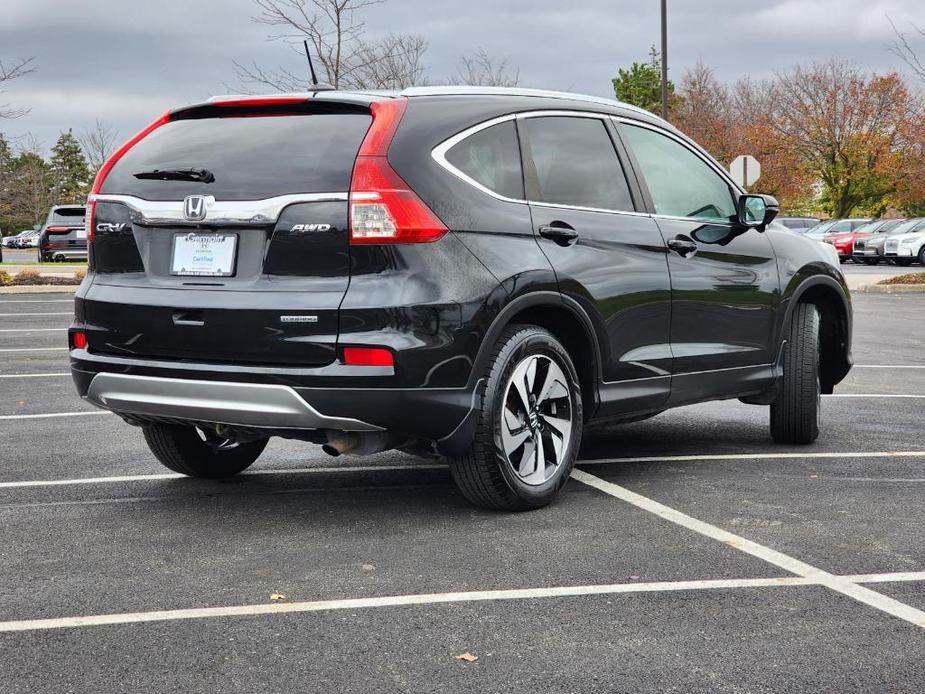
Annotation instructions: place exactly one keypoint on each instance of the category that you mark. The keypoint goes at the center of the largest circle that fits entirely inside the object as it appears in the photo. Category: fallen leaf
(468, 657)
(277, 596)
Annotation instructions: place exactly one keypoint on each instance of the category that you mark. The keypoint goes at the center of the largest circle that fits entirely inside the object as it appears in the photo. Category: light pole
(665, 59)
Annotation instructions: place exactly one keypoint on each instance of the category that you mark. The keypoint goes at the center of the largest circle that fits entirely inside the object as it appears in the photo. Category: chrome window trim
(225, 212)
(706, 159)
(439, 155)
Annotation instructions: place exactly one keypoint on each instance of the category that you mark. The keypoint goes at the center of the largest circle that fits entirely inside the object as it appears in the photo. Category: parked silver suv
(906, 245)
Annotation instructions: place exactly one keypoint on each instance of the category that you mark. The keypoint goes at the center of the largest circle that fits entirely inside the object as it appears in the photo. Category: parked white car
(902, 249)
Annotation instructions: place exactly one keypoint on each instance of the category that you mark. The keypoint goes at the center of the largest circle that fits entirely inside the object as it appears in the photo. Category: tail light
(383, 208)
(107, 167)
(78, 340)
(58, 230)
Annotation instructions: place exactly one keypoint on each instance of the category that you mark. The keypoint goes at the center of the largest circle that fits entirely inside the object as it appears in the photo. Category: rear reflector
(368, 356)
(383, 208)
(78, 340)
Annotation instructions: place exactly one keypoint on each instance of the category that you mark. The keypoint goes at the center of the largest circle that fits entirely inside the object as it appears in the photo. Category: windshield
(821, 229)
(906, 227)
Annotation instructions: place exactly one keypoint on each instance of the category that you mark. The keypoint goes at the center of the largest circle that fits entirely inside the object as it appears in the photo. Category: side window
(681, 183)
(492, 158)
(576, 163)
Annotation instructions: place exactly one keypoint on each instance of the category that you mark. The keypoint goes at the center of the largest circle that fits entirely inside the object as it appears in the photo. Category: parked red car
(844, 241)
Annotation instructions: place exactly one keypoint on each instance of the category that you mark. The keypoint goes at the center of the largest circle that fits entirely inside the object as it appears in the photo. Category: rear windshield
(252, 158)
(67, 215)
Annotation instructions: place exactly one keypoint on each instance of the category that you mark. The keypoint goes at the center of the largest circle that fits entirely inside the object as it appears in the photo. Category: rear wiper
(187, 174)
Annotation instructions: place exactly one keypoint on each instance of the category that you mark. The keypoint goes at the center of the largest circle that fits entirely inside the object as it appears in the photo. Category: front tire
(192, 452)
(529, 424)
(795, 412)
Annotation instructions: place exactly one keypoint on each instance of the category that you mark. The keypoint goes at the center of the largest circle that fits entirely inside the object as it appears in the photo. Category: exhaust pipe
(360, 443)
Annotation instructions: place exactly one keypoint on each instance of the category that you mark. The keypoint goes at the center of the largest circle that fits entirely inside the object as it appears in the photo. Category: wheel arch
(568, 322)
(833, 304)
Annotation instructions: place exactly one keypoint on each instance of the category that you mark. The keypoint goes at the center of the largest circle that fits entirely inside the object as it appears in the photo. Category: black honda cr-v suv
(475, 273)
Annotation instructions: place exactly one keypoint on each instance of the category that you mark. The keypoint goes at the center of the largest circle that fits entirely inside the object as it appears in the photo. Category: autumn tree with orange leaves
(829, 136)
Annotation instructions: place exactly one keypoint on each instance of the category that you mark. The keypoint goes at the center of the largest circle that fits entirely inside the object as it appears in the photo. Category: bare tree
(98, 143)
(902, 48)
(8, 73)
(484, 71)
(337, 38)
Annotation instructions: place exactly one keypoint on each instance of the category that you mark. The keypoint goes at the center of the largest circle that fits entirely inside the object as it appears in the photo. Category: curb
(890, 289)
(39, 289)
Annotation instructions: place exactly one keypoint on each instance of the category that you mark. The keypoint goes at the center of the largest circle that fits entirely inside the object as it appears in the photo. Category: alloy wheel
(536, 426)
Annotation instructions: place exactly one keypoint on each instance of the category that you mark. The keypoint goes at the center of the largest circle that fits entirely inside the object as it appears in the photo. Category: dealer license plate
(203, 255)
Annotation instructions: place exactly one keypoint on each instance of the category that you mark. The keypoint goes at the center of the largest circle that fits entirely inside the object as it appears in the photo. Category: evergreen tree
(641, 84)
(69, 170)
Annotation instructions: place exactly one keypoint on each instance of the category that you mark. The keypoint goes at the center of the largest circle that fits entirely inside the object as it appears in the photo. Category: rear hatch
(222, 236)
(64, 230)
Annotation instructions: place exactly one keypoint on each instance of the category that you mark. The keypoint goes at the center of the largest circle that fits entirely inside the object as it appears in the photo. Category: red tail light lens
(368, 356)
(57, 230)
(78, 339)
(383, 208)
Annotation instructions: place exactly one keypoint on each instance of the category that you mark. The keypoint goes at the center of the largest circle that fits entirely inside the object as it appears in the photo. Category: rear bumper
(145, 390)
(219, 402)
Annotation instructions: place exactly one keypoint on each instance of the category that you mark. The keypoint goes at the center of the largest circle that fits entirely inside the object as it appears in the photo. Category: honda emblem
(194, 208)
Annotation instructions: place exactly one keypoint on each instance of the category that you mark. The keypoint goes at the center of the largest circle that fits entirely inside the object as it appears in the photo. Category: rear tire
(186, 450)
(522, 452)
(795, 412)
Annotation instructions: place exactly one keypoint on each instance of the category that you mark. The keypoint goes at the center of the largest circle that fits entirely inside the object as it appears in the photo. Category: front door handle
(562, 234)
(682, 245)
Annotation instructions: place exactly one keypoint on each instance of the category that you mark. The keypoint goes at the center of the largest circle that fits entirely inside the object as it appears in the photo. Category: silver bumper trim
(219, 402)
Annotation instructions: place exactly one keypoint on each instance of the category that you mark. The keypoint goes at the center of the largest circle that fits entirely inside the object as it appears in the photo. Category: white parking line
(55, 375)
(54, 414)
(839, 584)
(16, 315)
(871, 395)
(250, 473)
(34, 349)
(753, 456)
(888, 366)
(38, 301)
(436, 599)
(380, 468)
(33, 330)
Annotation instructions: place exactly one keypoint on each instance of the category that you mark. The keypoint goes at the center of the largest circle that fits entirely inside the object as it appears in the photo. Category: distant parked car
(906, 246)
(798, 224)
(835, 226)
(844, 241)
(868, 249)
(28, 239)
(64, 236)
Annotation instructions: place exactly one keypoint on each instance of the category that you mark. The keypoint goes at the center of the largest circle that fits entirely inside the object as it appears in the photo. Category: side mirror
(757, 211)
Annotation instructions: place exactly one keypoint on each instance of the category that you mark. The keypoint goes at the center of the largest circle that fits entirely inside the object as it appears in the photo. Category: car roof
(369, 95)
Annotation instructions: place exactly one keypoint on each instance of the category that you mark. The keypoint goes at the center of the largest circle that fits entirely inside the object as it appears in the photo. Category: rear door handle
(563, 235)
(682, 245)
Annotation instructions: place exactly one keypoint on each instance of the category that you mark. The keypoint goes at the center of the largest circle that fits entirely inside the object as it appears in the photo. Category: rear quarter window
(252, 158)
(491, 157)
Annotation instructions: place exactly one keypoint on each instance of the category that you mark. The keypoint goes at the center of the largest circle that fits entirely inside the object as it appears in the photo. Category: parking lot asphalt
(688, 554)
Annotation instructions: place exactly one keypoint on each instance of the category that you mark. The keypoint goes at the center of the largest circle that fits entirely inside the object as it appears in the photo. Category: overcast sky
(127, 61)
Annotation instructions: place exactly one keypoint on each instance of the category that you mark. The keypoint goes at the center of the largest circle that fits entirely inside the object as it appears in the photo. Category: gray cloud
(129, 60)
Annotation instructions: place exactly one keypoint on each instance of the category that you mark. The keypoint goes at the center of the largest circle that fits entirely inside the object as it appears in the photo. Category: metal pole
(665, 59)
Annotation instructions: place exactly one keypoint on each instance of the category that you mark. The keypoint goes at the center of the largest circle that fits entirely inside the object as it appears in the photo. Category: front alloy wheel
(537, 426)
